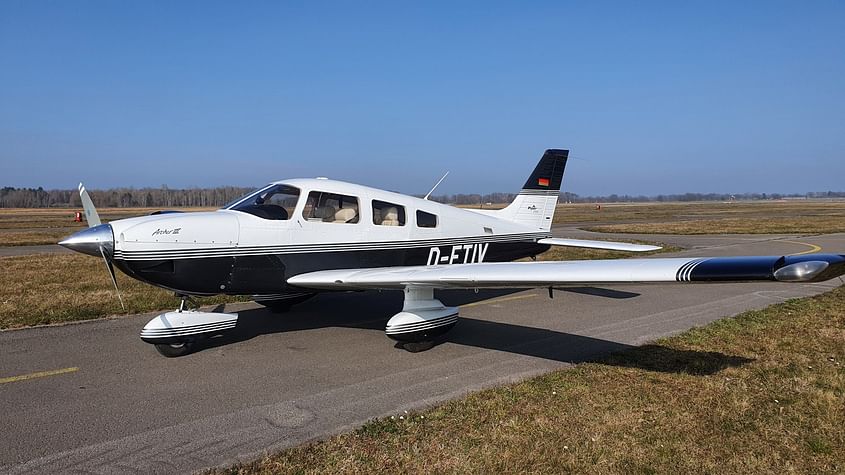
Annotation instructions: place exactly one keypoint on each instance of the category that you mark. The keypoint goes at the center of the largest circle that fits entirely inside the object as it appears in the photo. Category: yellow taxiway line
(813, 248)
(39, 374)
(503, 299)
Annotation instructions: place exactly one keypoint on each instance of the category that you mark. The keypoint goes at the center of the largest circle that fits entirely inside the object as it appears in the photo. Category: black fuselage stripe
(246, 251)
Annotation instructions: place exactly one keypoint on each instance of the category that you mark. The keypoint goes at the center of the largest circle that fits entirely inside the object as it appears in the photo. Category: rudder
(534, 206)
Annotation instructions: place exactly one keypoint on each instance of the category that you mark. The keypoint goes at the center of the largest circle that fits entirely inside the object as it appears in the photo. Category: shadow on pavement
(371, 310)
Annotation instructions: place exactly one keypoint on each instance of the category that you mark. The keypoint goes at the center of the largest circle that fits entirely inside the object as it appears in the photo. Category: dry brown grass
(763, 392)
(51, 288)
(749, 225)
(710, 217)
(27, 227)
(33, 237)
(709, 210)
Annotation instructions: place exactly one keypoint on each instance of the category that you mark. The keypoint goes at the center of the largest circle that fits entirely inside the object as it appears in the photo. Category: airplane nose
(90, 240)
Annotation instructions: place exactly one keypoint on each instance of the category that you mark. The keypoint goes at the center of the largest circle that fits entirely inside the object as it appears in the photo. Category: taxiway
(93, 397)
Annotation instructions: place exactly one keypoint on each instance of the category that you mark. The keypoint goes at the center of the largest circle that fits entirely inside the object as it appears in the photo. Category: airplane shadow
(371, 310)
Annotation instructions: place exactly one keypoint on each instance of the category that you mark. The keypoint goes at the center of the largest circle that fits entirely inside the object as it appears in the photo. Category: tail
(534, 206)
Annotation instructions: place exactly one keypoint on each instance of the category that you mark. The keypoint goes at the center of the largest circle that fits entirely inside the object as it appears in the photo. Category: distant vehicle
(293, 238)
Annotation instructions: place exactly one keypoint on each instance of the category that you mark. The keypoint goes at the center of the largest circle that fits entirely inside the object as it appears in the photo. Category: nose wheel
(178, 333)
(185, 346)
(174, 350)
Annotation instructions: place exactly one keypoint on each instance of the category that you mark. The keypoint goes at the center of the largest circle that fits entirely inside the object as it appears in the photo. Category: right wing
(803, 268)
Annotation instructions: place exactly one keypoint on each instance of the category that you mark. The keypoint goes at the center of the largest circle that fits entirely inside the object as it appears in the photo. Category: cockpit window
(273, 202)
(426, 220)
(331, 208)
(388, 214)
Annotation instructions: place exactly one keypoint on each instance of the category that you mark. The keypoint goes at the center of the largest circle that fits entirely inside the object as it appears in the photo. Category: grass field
(763, 392)
(796, 225)
(622, 212)
(26, 227)
(54, 288)
(753, 217)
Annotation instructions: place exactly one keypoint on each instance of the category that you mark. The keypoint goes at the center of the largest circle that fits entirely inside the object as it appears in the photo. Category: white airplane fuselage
(229, 251)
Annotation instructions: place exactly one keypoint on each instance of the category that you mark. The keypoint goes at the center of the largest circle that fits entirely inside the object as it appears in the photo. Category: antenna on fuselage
(435, 185)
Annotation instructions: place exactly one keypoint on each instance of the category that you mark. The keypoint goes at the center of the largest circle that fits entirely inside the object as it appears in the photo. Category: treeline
(567, 197)
(473, 199)
(165, 197)
(614, 198)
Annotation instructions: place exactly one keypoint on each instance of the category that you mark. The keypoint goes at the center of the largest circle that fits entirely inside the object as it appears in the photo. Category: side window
(426, 220)
(388, 214)
(276, 202)
(331, 208)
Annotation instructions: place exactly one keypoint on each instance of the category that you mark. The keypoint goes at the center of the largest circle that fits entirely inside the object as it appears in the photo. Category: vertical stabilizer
(534, 206)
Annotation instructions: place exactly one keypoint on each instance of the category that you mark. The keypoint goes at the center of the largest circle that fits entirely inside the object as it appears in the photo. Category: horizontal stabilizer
(611, 246)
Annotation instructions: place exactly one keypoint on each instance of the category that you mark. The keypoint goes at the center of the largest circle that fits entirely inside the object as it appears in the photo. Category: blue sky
(651, 97)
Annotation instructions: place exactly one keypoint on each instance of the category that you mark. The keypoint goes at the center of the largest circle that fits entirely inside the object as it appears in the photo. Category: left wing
(804, 268)
(609, 245)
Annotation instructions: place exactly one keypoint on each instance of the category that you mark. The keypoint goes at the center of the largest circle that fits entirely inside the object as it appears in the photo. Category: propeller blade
(94, 220)
(88, 206)
(110, 267)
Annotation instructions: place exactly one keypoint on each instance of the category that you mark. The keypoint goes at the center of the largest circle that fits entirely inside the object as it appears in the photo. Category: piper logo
(459, 254)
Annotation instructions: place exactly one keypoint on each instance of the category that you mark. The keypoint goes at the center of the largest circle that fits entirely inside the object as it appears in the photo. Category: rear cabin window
(276, 202)
(426, 220)
(388, 214)
(331, 208)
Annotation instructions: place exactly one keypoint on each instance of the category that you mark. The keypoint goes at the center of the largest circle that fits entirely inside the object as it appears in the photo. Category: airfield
(92, 397)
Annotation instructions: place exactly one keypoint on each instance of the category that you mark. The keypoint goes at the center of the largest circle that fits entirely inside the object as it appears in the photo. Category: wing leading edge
(804, 268)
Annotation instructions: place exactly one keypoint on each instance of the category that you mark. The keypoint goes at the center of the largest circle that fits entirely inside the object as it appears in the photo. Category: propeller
(93, 219)
(91, 215)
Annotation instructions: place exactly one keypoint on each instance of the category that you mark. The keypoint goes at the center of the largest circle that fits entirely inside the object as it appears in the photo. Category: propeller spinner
(97, 240)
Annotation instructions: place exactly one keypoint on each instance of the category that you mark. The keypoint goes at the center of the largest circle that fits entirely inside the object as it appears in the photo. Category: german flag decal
(543, 182)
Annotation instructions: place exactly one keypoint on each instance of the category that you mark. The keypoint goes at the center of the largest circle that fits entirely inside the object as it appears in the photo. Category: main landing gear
(422, 319)
(176, 333)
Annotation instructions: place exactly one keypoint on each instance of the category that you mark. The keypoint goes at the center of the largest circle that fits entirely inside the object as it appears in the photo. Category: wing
(805, 268)
(609, 245)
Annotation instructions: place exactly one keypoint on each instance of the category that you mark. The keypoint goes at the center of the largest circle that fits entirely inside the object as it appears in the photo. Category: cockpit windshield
(271, 202)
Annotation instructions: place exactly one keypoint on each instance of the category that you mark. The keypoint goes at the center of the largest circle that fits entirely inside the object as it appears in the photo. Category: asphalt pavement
(92, 397)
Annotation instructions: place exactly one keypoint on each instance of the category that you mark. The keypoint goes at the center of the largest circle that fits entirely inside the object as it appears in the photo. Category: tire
(417, 347)
(174, 350)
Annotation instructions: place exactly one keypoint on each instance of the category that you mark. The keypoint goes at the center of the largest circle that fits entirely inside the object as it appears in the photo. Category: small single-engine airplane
(293, 238)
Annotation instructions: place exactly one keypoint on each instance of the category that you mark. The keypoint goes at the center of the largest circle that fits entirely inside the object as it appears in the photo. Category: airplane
(291, 239)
